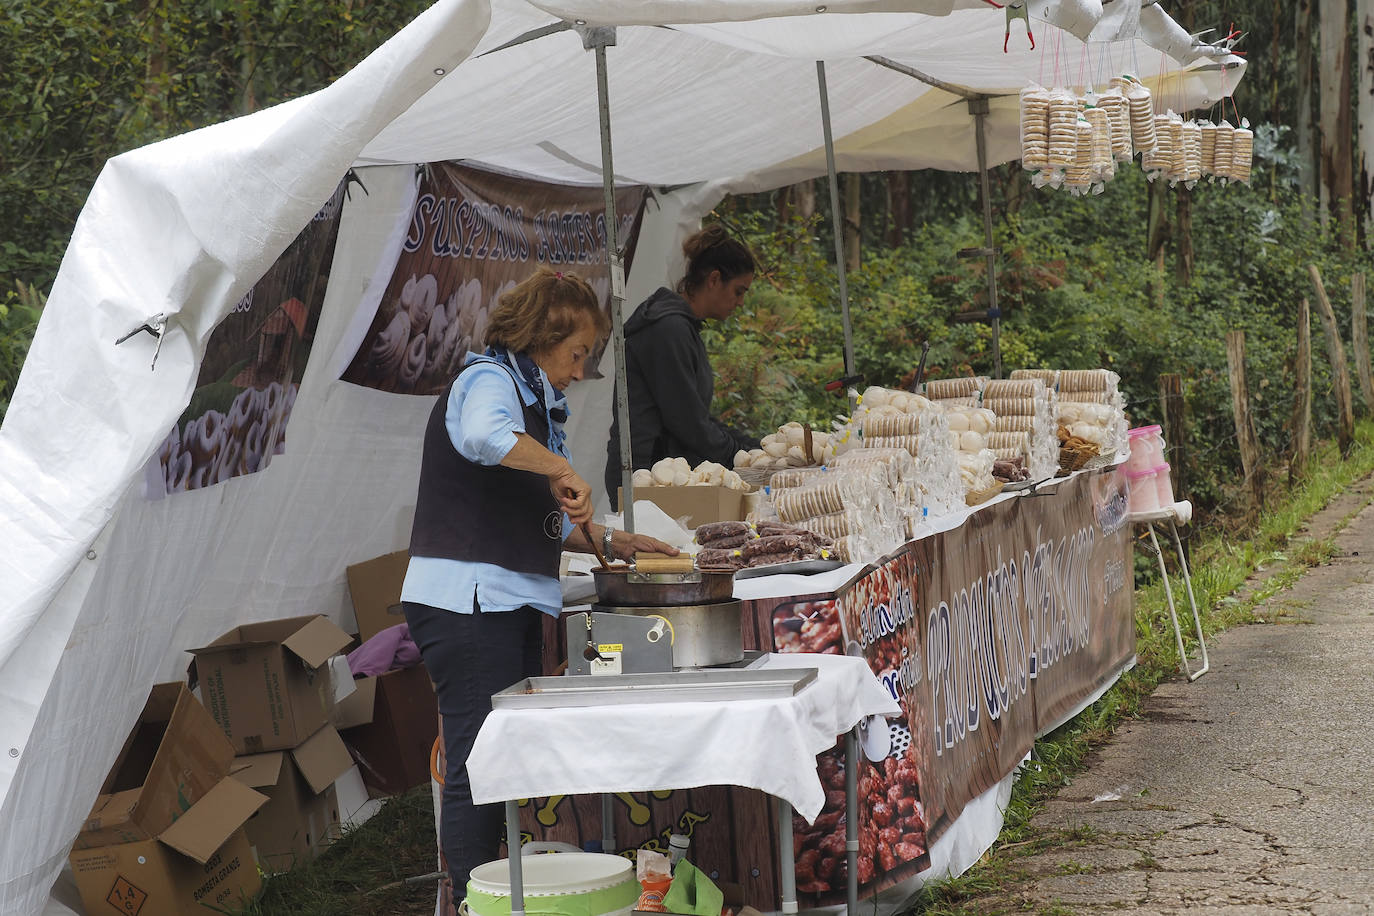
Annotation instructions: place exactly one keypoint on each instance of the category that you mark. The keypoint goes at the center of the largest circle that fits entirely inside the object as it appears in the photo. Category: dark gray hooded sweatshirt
(671, 385)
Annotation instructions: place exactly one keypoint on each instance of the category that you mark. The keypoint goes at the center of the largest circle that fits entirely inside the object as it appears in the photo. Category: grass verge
(365, 873)
(1221, 564)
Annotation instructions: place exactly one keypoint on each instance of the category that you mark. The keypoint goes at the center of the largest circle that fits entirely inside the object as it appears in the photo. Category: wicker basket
(1074, 459)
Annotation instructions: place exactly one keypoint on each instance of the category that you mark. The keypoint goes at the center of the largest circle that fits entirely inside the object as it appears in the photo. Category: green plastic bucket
(557, 884)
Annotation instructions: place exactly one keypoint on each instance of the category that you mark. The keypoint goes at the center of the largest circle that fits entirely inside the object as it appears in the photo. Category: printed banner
(473, 235)
(237, 417)
(987, 635)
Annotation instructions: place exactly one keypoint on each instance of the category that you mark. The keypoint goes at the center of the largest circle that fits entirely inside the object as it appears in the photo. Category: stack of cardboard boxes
(267, 686)
(166, 834)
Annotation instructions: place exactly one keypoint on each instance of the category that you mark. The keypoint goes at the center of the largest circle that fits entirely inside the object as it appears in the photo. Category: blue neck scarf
(529, 371)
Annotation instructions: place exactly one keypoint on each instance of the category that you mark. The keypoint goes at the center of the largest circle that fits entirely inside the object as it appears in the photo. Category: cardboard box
(392, 750)
(301, 816)
(698, 504)
(174, 755)
(263, 682)
(202, 860)
(375, 586)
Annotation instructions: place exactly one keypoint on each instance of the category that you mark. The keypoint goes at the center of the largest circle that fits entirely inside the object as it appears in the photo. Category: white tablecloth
(769, 745)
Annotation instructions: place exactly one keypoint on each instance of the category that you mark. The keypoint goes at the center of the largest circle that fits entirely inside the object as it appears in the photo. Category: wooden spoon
(596, 549)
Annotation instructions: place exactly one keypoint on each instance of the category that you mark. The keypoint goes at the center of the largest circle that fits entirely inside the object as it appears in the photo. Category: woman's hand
(574, 495)
(626, 545)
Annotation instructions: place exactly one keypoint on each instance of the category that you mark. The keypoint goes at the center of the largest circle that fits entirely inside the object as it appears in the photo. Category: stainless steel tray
(796, 568)
(710, 685)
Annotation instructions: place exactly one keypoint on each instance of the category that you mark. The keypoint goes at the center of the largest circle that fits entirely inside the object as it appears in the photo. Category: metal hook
(156, 326)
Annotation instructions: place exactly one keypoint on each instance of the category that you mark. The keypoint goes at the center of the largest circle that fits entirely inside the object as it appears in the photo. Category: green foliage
(19, 313)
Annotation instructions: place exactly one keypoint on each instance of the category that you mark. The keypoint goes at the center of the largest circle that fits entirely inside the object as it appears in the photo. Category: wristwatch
(606, 550)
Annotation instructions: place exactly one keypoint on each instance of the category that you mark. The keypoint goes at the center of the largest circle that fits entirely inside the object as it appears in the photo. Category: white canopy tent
(101, 590)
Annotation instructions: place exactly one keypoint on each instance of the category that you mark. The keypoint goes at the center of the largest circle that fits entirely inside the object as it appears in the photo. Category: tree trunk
(899, 206)
(1183, 266)
(852, 216)
(782, 208)
(1337, 173)
(804, 199)
(1302, 397)
(1158, 235)
(1302, 118)
(1364, 201)
(1251, 464)
(1359, 342)
(1340, 371)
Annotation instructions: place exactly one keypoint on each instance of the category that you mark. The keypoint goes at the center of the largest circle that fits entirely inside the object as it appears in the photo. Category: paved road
(1248, 791)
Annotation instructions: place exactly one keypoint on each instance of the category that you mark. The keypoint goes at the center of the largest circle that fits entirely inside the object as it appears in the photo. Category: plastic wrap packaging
(899, 462)
(911, 444)
(1178, 152)
(1026, 386)
(1103, 162)
(1015, 424)
(975, 470)
(1224, 152)
(1242, 154)
(1087, 380)
(1049, 376)
(977, 419)
(1018, 442)
(1157, 160)
(1024, 406)
(877, 425)
(1192, 153)
(1208, 147)
(1063, 136)
(1113, 101)
(1081, 175)
(1035, 128)
(876, 397)
(793, 477)
(1007, 454)
(944, 388)
(1142, 113)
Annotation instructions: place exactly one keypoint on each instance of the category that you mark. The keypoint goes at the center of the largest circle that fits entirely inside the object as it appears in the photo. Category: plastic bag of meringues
(676, 472)
(792, 446)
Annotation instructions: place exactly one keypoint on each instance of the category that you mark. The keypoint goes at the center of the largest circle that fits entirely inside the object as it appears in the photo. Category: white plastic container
(1144, 493)
(586, 883)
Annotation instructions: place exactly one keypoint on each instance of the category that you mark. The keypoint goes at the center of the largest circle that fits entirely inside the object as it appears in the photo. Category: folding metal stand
(1170, 515)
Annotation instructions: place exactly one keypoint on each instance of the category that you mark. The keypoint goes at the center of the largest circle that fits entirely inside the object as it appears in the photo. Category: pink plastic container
(1164, 486)
(1144, 493)
(1147, 448)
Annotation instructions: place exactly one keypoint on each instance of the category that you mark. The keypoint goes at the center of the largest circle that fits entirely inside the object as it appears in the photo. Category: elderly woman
(498, 501)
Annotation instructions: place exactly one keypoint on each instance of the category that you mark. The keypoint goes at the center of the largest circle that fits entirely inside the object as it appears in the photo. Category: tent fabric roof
(723, 93)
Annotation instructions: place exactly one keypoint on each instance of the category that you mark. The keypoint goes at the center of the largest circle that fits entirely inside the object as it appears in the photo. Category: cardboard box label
(125, 897)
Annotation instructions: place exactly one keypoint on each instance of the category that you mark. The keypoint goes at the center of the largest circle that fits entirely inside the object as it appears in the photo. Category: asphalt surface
(1248, 791)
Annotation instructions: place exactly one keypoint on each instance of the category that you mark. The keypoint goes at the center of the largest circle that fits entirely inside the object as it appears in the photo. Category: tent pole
(597, 39)
(979, 109)
(837, 219)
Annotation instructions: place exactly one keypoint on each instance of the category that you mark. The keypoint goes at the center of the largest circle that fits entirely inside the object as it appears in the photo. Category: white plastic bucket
(558, 884)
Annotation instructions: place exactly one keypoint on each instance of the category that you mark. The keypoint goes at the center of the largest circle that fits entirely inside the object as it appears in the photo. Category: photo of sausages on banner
(875, 619)
(473, 235)
(236, 420)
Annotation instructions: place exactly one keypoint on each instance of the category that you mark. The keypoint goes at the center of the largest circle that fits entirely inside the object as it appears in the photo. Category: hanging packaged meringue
(1079, 177)
(1192, 153)
(1035, 128)
(1208, 131)
(1224, 151)
(1157, 160)
(1103, 163)
(1063, 136)
(1142, 109)
(1113, 102)
(1243, 151)
(1177, 153)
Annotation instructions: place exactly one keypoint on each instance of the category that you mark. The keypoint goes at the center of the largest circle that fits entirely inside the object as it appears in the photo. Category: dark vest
(480, 514)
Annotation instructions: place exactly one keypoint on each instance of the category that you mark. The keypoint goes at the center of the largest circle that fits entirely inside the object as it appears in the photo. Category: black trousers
(469, 657)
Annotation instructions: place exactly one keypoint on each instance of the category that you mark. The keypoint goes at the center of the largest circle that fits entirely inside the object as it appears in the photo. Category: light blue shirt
(482, 418)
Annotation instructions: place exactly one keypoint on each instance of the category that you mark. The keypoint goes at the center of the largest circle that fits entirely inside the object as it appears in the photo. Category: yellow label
(610, 647)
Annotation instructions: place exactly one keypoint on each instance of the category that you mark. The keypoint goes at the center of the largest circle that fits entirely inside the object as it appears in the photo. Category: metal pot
(624, 587)
(703, 634)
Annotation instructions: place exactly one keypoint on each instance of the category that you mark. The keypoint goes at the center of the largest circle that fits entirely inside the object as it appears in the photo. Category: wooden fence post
(1175, 434)
(1359, 339)
(1302, 396)
(1245, 427)
(1339, 370)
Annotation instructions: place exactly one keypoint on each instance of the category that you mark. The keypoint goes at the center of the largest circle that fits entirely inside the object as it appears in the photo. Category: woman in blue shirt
(498, 502)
